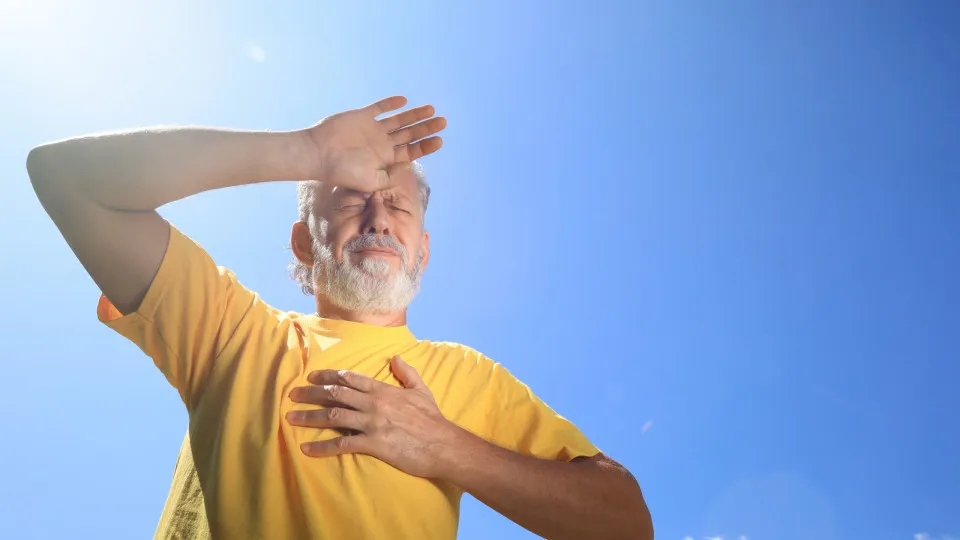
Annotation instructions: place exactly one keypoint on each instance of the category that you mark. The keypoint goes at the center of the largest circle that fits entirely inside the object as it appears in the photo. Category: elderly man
(339, 424)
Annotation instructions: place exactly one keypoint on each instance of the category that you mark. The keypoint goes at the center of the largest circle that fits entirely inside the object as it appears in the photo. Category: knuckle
(378, 423)
(334, 414)
(343, 443)
(380, 405)
(334, 391)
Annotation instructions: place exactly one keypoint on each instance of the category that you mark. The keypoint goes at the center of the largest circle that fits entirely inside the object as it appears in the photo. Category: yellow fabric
(235, 359)
(184, 516)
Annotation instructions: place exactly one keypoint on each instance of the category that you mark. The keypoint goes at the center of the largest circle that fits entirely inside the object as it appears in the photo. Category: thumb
(407, 376)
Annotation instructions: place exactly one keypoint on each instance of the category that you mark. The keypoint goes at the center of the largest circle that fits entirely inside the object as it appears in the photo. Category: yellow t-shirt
(234, 360)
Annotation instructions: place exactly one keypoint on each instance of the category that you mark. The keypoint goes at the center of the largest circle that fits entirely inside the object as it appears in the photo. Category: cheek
(413, 253)
(338, 234)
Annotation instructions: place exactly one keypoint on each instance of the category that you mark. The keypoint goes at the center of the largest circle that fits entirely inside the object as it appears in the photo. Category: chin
(382, 273)
(376, 267)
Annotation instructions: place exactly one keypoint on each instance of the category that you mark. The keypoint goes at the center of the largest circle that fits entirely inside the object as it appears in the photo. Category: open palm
(357, 151)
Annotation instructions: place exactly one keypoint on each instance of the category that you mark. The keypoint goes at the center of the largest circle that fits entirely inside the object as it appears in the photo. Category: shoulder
(460, 366)
(450, 348)
(457, 355)
(462, 379)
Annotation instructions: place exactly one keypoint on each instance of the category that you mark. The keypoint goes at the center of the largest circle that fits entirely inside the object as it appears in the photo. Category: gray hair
(306, 197)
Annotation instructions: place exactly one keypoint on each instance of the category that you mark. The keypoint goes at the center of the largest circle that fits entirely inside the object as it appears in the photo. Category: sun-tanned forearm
(590, 498)
(143, 170)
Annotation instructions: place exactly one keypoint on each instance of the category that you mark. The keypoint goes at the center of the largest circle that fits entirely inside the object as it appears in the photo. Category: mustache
(368, 240)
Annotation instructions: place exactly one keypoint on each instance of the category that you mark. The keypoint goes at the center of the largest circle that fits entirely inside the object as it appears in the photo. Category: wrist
(284, 155)
(302, 155)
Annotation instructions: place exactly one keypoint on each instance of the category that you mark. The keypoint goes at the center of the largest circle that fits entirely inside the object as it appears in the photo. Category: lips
(384, 251)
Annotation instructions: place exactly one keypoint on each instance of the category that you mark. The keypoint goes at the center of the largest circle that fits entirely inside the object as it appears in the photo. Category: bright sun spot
(255, 52)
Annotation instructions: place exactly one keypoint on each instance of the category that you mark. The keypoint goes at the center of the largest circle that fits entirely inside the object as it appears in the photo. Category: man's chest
(248, 392)
(248, 456)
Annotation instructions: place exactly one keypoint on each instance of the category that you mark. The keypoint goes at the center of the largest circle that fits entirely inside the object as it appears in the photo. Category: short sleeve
(191, 310)
(520, 421)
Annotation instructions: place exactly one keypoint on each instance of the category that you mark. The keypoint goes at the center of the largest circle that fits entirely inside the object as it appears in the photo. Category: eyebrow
(397, 195)
(342, 191)
(388, 194)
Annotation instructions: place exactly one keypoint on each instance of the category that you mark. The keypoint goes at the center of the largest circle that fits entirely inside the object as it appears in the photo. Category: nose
(377, 219)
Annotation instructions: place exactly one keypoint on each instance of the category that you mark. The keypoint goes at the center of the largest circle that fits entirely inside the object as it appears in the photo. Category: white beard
(373, 285)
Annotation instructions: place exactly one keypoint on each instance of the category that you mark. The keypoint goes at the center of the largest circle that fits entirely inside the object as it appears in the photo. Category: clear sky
(723, 238)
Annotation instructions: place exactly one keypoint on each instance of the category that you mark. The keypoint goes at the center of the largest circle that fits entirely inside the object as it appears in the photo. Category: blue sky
(734, 223)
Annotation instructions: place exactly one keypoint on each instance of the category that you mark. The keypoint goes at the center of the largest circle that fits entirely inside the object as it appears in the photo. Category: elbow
(640, 524)
(46, 167)
(629, 520)
(34, 160)
(635, 510)
(39, 165)
(632, 524)
(637, 514)
(645, 527)
(629, 516)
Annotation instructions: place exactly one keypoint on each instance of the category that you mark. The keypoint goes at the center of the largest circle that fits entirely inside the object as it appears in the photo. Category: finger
(406, 118)
(405, 373)
(417, 150)
(352, 444)
(334, 417)
(386, 105)
(331, 395)
(418, 131)
(343, 377)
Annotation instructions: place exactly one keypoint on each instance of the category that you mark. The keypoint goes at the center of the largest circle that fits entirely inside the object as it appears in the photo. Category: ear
(426, 250)
(302, 243)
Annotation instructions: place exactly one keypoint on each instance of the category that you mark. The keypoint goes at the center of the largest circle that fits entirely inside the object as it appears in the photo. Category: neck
(329, 311)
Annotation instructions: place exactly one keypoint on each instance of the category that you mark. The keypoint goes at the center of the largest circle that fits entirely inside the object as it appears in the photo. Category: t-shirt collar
(352, 330)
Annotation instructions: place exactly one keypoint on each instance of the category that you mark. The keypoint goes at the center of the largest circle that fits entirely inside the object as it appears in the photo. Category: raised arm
(102, 191)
